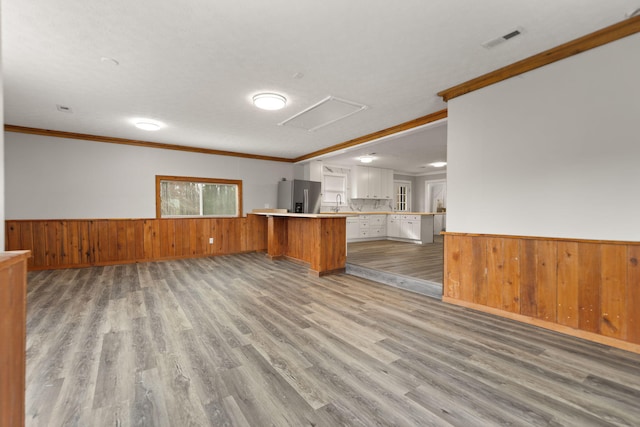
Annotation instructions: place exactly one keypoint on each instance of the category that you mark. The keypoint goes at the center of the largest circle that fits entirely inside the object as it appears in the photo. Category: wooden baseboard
(601, 339)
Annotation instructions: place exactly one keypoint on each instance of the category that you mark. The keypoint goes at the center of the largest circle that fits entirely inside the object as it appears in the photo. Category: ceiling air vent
(325, 112)
(498, 40)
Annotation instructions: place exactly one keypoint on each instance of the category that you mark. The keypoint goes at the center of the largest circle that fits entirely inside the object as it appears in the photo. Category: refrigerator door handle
(305, 208)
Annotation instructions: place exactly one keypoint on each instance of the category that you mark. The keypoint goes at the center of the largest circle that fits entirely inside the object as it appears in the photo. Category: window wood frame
(159, 178)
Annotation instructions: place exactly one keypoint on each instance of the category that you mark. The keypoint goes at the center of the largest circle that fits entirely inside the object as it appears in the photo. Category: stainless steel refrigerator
(299, 196)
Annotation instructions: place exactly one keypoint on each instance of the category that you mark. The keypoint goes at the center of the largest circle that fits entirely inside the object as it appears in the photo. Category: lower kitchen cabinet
(411, 228)
(353, 228)
(393, 225)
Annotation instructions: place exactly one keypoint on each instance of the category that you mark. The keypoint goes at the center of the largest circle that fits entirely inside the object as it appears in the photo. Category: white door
(436, 196)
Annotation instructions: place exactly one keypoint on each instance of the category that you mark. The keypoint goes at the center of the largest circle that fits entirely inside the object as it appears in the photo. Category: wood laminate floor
(242, 341)
(425, 262)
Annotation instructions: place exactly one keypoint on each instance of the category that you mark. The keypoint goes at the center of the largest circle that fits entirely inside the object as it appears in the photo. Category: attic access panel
(325, 112)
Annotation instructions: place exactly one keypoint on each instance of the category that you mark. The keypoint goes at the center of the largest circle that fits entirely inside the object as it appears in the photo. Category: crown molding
(598, 38)
(148, 144)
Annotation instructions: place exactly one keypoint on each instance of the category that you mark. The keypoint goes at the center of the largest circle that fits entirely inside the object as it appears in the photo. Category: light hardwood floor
(425, 262)
(242, 341)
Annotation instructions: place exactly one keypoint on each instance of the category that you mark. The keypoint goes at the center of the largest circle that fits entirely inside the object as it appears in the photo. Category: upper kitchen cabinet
(371, 183)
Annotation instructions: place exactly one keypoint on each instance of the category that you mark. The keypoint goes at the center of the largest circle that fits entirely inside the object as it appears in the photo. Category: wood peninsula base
(316, 239)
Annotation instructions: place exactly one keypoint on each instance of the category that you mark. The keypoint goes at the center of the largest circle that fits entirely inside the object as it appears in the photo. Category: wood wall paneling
(633, 294)
(546, 284)
(13, 328)
(567, 292)
(584, 285)
(452, 267)
(589, 281)
(80, 243)
(511, 276)
(613, 292)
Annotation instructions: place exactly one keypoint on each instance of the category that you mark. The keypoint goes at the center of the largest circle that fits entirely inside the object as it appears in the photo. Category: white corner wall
(57, 178)
(552, 153)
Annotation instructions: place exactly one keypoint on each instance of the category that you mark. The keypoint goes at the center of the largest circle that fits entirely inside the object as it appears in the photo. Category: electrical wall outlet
(211, 240)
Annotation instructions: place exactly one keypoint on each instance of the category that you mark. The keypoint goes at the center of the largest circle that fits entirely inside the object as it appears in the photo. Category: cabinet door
(410, 229)
(353, 228)
(414, 233)
(374, 183)
(393, 226)
(386, 184)
(360, 182)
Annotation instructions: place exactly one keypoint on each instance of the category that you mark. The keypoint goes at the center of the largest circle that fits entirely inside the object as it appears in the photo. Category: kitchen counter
(318, 240)
(381, 213)
(308, 215)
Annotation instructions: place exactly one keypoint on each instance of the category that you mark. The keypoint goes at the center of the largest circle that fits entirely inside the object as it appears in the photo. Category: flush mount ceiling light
(147, 124)
(269, 101)
(366, 159)
(438, 164)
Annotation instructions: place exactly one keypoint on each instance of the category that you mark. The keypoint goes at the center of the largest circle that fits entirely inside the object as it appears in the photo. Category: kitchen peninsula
(319, 240)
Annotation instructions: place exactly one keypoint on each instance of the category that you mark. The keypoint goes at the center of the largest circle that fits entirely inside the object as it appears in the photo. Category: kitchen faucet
(338, 202)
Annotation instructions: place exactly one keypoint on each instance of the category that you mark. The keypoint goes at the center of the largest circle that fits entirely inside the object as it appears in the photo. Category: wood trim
(159, 178)
(134, 142)
(420, 121)
(598, 38)
(552, 239)
(612, 342)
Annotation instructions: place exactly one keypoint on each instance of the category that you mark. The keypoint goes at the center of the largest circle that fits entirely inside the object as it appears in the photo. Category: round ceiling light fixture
(438, 164)
(269, 101)
(366, 159)
(147, 124)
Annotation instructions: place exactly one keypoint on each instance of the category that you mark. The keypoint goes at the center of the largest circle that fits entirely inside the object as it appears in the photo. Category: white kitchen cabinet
(393, 225)
(371, 183)
(386, 184)
(410, 227)
(367, 227)
(353, 228)
(378, 226)
(404, 227)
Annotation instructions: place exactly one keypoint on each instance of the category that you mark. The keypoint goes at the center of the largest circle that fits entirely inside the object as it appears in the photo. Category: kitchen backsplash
(361, 205)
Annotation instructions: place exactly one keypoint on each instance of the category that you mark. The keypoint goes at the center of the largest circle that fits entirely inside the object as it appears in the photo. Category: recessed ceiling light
(147, 124)
(438, 164)
(269, 101)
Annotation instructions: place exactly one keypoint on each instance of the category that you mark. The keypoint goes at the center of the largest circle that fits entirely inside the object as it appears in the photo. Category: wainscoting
(80, 243)
(589, 289)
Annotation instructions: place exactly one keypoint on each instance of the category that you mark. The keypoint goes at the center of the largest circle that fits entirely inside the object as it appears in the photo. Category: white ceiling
(195, 65)
(409, 152)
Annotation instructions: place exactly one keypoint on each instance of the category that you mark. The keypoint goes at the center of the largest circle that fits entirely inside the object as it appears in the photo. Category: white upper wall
(554, 152)
(51, 178)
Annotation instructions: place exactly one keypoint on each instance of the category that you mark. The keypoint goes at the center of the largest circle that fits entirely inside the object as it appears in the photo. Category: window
(178, 196)
(402, 195)
(334, 185)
